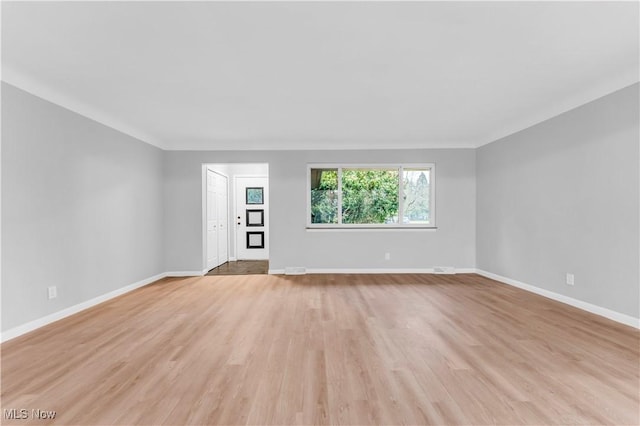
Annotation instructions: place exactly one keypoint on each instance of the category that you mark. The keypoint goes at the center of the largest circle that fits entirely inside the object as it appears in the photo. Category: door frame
(235, 210)
(209, 166)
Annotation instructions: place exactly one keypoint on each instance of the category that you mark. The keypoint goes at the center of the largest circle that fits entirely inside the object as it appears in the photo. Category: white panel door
(222, 196)
(212, 220)
(252, 218)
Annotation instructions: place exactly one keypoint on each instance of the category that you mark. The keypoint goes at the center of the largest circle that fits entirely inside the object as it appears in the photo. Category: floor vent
(444, 270)
(295, 270)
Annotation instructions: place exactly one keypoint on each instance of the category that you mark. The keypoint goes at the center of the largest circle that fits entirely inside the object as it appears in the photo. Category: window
(372, 196)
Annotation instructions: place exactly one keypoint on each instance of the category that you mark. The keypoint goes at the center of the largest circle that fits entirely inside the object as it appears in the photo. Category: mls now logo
(23, 414)
(42, 414)
(15, 414)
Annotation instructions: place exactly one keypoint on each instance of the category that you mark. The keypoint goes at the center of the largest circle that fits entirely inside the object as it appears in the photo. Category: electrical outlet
(387, 256)
(53, 292)
(570, 279)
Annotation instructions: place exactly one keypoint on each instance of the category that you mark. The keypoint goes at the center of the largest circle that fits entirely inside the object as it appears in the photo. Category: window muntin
(380, 196)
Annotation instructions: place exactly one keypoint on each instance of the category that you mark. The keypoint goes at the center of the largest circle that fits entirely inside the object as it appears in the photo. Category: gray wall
(453, 244)
(81, 208)
(563, 196)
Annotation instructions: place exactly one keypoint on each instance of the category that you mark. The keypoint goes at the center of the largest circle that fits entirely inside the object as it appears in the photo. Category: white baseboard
(466, 270)
(370, 271)
(598, 310)
(373, 271)
(585, 306)
(233, 259)
(41, 322)
(185, 273)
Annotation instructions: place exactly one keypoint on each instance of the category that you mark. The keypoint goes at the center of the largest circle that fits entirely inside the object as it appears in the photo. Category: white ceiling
(310, 75)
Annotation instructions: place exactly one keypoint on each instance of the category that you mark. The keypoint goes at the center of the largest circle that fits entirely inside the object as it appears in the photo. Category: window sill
(370, 228)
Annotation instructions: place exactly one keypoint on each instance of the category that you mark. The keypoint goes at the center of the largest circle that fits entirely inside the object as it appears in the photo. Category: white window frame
(400, 167)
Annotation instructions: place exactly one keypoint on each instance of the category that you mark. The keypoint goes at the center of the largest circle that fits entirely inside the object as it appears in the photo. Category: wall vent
(295, 270)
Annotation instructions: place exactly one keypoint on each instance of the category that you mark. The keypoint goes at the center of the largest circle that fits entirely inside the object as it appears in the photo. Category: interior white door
(222, 196)
(217, 219)
(252, 218)
(212, 220)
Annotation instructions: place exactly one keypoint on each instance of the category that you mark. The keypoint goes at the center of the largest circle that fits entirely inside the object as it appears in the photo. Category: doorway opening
(235, 218)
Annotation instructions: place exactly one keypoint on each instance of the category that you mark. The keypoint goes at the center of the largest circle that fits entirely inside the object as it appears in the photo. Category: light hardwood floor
(327, 349)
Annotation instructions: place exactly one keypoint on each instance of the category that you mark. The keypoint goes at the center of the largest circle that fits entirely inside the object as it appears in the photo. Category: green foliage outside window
(324, 196)
(370, 196)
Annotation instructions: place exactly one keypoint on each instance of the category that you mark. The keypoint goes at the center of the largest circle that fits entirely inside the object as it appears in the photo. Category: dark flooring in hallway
(242, 267)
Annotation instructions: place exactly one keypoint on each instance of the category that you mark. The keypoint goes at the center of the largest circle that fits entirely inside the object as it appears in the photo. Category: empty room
(320, 213)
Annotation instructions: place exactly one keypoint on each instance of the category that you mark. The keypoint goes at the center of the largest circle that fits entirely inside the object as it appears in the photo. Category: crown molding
(623, 79)
(310, 145)
(46, 92)
(606, 87)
